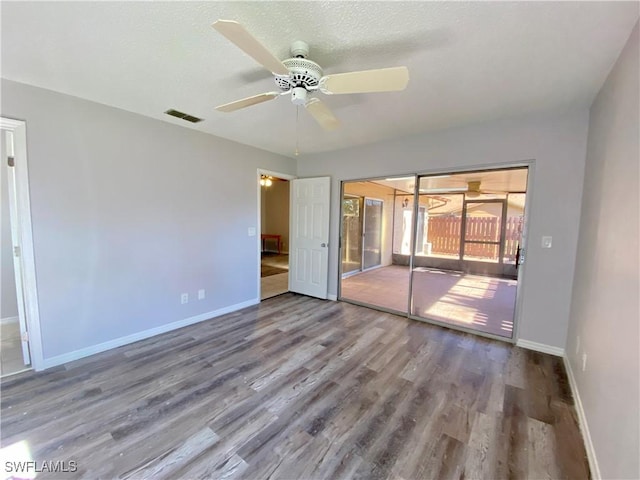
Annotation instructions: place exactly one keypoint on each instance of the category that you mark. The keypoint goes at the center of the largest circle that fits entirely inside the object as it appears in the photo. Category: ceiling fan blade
(322, 114)
(247, 102)
(246, 42)
(366, 81)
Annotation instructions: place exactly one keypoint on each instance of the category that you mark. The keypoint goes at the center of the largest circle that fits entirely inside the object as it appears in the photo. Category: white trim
(32, 310)
(524, 244)
(285, 176)
(8, 320)
(582, 422)
(135, 337)
(540, 347)
(332, 297)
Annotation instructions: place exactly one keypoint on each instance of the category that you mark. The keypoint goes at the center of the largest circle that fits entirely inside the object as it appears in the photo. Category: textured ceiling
(468, 62)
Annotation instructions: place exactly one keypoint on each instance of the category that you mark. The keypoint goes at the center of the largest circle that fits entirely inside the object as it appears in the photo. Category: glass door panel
(481, 252)
(467, 226)
(483, 231)
(514, 227)
(372, 241)
(351, 234)
(386, 212)
(438, 231)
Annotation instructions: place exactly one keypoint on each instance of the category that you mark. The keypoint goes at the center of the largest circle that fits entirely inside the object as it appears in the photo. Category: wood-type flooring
(300, 388)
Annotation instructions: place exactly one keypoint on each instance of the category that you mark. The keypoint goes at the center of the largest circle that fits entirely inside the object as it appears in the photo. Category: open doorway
(14, 345)
(274, 235)
(455, 251)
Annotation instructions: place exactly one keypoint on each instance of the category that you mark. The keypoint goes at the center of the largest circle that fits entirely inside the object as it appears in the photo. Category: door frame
(284, 176)
(25, 237)
(530, 165)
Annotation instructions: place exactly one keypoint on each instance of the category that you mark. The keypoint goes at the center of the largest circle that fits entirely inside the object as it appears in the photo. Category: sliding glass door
(377, 225)
(465, 253)
(351, 234)
(441, 248)
(372, 237)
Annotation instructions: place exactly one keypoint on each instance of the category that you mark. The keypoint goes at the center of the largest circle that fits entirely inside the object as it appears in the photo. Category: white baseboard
(135, 337)
(332, 297)
(582, 421)
(8, 320)
(541, 347)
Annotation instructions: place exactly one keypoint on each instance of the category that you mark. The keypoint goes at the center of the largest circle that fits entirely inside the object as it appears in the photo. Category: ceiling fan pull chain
(297, 128)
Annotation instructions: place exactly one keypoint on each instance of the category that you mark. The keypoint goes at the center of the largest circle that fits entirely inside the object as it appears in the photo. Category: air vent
(183, 116)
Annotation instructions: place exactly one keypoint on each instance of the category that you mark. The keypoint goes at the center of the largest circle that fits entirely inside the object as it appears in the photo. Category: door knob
(323, 245)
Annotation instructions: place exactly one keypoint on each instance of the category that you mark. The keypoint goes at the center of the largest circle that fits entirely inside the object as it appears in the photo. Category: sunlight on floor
(483, 303)
(17, 462)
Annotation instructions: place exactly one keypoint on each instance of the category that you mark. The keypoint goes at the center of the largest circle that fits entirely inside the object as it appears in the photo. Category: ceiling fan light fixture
(299, 96)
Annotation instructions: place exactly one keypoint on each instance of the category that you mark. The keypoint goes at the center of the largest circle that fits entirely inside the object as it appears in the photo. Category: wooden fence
(444, 236)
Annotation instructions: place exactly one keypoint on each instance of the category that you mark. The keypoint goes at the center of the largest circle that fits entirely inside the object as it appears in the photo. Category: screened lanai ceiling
(491, 181)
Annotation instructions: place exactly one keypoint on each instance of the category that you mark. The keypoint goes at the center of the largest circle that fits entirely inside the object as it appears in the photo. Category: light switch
(546, 242)
(251, 231)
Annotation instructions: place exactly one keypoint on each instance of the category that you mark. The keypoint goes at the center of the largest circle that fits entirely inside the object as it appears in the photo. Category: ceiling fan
(301, 77)
(474, 190)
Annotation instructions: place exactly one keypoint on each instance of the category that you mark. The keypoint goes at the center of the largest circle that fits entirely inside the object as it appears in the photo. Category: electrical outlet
(201, 294)
(577, 344)
(184, 298)
(584, 362)
(547, 242)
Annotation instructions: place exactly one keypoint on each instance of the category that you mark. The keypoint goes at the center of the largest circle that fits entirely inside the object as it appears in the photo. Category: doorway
(274, 234)
(15, 351)
(457, 250)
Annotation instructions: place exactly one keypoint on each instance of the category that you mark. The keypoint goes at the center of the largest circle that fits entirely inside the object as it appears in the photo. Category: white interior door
(309, 236)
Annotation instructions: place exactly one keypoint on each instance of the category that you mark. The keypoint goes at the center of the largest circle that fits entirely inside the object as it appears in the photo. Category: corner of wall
(582, 421)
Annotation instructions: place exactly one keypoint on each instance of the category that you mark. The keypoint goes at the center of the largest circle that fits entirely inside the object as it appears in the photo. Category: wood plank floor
(11, 360)
(302, 388)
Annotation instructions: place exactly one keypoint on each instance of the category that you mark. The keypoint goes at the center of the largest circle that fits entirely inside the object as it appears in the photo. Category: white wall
(128, 213)
(8, 297)
(604, 311)
(556, 143)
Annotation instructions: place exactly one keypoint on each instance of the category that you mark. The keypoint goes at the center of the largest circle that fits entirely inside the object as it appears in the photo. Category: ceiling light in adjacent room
(265, 181)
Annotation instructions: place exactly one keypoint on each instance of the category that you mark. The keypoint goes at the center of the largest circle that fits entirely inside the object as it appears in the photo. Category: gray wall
(557, 143)
(128, 213)
(605, 310)
(8, 298)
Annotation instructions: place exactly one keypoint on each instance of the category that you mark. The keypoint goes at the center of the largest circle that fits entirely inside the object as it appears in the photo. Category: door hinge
(16, 250)
(11, 161)
(25, 336)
